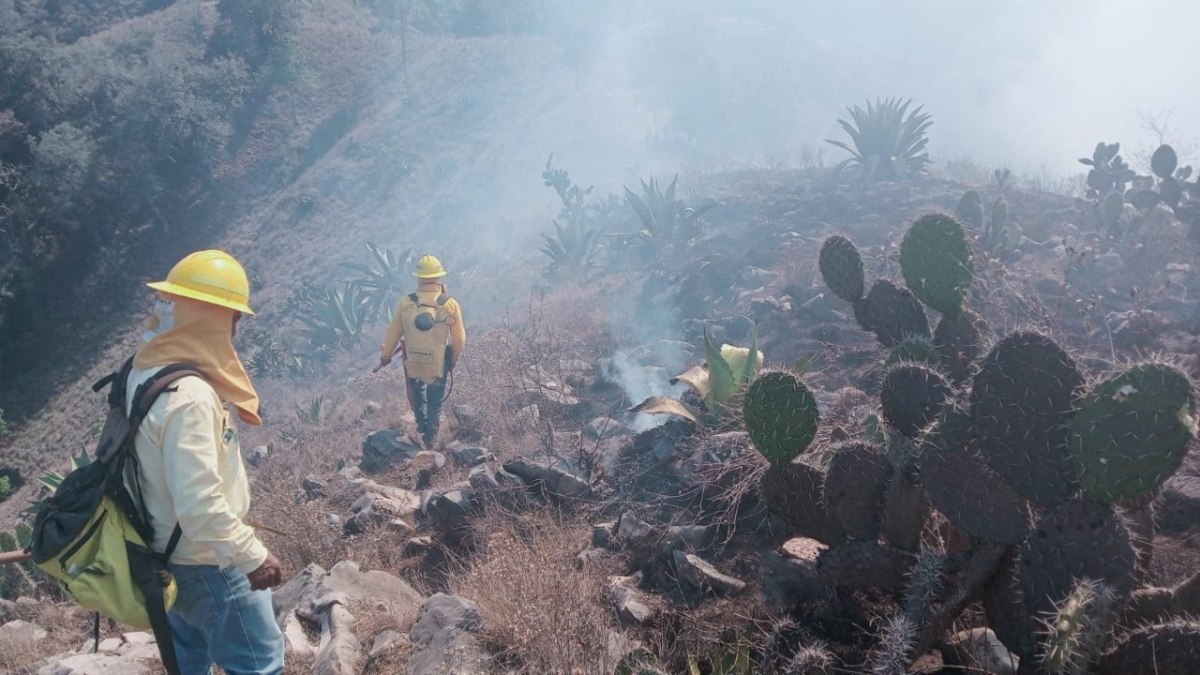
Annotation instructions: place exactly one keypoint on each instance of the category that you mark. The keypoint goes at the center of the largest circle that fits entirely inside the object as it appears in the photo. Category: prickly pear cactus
(1004, 604)
(865, 564)
(912, 396)
(793, 494)
(1077, 629)
(936, 262)
(842, 268)
(1158, 649)
(963, 488)
(970, 209)
(960, 340)
(914, 350)
(1164, 161)
(892, 313)
(1021, 406)
(1111, 210)
(1077, 540)
(905, 510)
(855, 485)
(781, 416)
(1132, 431)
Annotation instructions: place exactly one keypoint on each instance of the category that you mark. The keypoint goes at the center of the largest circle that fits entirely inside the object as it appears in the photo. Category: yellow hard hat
(429, 267)
(210, 276)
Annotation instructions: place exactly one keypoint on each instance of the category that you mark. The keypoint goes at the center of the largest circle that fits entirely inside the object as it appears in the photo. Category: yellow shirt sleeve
(193, 447)
(395, 331)
(458, 332)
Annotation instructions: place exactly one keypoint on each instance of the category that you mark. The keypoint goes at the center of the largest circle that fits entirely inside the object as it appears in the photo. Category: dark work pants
(427, 406)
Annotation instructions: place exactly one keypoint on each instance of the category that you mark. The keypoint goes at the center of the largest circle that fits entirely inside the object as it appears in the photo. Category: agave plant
(571, 249)
(667, 223)
(382, 281)
(727, 371)
(888, 140)
(52, 479)
(333, 316)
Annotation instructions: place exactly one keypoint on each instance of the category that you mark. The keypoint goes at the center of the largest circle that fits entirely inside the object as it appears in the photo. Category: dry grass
(67, 626)
(541, 613)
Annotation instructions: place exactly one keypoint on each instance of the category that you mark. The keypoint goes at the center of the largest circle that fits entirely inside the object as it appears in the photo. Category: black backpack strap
(149, 568)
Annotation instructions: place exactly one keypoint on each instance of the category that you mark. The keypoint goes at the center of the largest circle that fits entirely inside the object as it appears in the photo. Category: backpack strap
(149, 569)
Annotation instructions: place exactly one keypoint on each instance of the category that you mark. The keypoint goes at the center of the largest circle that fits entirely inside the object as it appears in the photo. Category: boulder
(631, 606)
(468, 456)
(258, 455)
(385, 449)
(23, 632)
(979, 648)
(444, 637)
(601, 427)
(554, 476)
(703, 576)
(314, 488)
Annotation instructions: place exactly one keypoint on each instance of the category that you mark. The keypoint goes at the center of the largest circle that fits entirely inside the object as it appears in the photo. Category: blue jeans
(218, 619)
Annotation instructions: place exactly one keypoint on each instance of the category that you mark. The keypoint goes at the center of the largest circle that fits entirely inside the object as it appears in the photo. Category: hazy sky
(1021, 83)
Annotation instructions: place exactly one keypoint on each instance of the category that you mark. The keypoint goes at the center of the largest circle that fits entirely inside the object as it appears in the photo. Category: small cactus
(781, 416)
(1076, 630)
(936, 262)
(842, 268)
(1132, 431)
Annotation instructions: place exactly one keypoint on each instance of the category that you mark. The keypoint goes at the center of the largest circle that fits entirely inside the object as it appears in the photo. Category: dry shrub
(541, 614)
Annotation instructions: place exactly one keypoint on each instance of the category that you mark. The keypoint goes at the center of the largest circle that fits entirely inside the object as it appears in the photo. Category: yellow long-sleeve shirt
(191, 472)
(458, 332)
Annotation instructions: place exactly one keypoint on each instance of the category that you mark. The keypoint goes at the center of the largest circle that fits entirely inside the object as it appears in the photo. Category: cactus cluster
(935, 261)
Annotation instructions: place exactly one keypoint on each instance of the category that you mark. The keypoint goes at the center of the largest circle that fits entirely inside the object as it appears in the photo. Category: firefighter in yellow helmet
(193, 483)
(428, 328)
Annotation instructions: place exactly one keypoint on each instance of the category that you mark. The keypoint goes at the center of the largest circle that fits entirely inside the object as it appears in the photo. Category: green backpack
(92, 533)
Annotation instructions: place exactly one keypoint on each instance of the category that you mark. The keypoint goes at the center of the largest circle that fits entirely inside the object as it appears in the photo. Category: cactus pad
(1021, 406)
(842, 268)
(792, 493)
(960, 340)
(914, 350)
(865, 564)
(892, 313)
(970, 209)
(1077, 540)
(1132, 431)
(912, 397)
(1158, 649)
(905, 510)
(781, 416)
(1004, 604)
(1164, 161)
(936, 262)
(855, 484)
(964, 489)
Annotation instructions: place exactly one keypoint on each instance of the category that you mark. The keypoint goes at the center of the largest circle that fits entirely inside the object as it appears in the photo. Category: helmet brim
(174, 289)
(430, 275)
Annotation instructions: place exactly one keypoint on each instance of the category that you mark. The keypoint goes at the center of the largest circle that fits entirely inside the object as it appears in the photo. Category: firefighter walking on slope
(427, 330)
